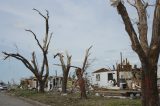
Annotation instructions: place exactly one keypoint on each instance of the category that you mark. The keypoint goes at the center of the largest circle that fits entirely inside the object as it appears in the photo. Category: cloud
(10, 10)
(20, 25)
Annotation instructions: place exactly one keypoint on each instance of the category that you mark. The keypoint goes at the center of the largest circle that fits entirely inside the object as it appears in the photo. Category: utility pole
(119, 68)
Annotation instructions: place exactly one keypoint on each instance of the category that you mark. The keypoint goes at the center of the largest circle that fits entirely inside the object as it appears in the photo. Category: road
(6, 100)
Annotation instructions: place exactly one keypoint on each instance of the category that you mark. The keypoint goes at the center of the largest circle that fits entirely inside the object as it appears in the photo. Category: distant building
(29, 83)
(124, 76)
(52, 83)
(158, 72)
(104, 77)
(129, 74)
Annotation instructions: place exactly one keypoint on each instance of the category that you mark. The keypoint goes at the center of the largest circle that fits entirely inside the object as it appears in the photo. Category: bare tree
(65, 68)
(147, 53)
(41, 73)
(80, 73)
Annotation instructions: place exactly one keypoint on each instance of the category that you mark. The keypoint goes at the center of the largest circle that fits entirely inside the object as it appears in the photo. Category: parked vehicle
(3, 86)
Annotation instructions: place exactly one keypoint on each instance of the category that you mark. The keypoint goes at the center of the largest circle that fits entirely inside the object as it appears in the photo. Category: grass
(55, 99)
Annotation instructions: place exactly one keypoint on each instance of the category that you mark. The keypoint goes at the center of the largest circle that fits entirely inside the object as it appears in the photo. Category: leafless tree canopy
(33, 66)
(86, 62)
(61, 58)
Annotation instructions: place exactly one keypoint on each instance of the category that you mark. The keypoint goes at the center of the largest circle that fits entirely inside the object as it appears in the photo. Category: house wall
(125, 75)
(103, 82)
(158, 72)
(54, 83)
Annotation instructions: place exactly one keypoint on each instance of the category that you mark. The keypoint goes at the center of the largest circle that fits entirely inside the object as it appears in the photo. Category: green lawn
(55, 99)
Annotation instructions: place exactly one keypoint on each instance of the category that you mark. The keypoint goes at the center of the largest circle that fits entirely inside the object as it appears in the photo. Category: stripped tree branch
(70, 66)
(61, 60)
(34, 62)
(35, 38)
(19, 57)
(155, 40)
(40, 13)
(85, 62)
(142, 26)
(132, 4)
(130, 30)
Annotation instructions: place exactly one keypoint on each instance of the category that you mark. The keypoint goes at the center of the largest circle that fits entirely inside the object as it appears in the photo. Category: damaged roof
(101, 70)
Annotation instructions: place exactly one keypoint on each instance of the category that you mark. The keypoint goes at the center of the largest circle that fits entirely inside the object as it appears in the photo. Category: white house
(54, 82)
(104, 78)
(158, 71)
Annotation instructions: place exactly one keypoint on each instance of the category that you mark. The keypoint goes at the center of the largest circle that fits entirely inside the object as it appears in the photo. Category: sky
(76, 25)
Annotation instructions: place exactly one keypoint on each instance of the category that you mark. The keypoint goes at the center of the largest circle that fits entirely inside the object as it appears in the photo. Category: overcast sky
(76, 25)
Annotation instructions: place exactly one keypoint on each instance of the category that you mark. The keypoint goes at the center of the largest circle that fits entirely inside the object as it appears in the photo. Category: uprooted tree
(80, 74)
(147, 53)
(41, 73)
(65, 68)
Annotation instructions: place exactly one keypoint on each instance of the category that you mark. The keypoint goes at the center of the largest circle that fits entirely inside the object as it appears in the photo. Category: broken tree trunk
(81, 83)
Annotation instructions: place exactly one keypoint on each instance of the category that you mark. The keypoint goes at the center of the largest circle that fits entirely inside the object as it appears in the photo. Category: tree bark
(82, 88)
(41, 86)
(150, 95)
(81, 83)
(64, 82)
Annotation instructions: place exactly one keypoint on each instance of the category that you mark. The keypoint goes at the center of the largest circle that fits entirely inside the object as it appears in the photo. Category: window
(110, 76)
(97, 77)
(122, 76)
